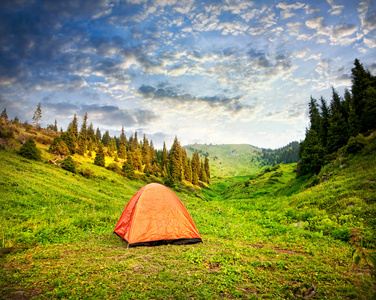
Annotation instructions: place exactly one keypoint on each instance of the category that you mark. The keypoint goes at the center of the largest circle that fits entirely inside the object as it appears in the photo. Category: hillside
(266, 234)
(229, 160)
(241, 159)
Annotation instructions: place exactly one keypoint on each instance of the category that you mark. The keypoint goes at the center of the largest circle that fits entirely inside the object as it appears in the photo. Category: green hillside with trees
(238, 159)
(271, 228)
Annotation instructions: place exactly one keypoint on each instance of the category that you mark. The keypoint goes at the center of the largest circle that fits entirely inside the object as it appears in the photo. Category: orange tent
(154, 216)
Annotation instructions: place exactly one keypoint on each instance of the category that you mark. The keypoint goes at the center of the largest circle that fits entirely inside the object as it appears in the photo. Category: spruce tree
(314, 115)
(106, 139)
(70, 139)
(176, 160)
(74, 127)
(207, 168)
(323, 132)
(29, 150)
(153, 157)
(98, 135)
(361, 80)
(195, 168)
(122, 152)
(91, 133)
(312, 154)
(145, 150)
(128, 168)
(337, 130)
(353, 123)
(202, 176)
(137, 159)
(188, 171)
(4, 114)
(99, 157)
(164, 155)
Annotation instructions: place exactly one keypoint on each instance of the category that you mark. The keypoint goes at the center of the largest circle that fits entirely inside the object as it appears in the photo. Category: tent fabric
(155, 216)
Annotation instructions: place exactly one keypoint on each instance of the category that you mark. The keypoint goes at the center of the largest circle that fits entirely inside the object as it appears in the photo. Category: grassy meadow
(266, 234)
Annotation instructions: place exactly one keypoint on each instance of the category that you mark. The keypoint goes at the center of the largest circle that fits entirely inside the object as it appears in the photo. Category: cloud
(175, 98)
(114, 116)
(287, 9)
(343, 30)
(367, 15)
(335, 9)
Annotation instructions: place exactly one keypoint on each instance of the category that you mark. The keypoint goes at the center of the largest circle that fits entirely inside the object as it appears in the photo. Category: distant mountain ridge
(242, 159)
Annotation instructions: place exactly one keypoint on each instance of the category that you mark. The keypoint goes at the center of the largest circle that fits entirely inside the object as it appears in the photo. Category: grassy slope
(229, 160)
(265, 236)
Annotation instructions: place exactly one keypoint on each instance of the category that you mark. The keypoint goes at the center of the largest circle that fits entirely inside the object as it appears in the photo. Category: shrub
(6, 132)
(30, 150)
(114, 167)
(59, 147)
(86, 173)
(355, 144)
(68, 164)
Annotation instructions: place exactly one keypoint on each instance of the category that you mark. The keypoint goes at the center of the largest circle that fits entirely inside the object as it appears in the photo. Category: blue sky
(206, 71)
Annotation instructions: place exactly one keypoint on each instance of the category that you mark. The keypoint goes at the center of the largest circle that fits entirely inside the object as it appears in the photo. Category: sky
(219, 72)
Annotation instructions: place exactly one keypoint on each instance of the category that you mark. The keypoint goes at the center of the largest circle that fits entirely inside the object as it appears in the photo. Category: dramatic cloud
(200, 69)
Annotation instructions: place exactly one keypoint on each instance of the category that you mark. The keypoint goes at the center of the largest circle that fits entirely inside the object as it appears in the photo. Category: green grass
(266, 235)
(230, 160)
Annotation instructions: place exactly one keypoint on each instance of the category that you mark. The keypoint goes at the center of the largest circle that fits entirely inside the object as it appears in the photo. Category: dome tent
(155, 216)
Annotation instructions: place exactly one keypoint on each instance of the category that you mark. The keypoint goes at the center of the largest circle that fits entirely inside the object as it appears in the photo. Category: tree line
(134, 154)
(137, 155)
(342, 122)
(284, 155)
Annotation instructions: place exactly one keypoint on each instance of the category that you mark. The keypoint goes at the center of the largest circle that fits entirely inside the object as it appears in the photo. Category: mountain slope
(229, 159)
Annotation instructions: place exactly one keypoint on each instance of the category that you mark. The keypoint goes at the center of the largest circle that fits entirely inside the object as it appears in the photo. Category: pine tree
(16, 121)
(337, 130)
(91, 133)
(29, 150)
(312, 154)
(195, 168)
(106, 139)
(202, 176)
(207, 168)
(361, 80)
(128, 168)
(164, 156)
(323, 132)
(37, 115)
(184, 161)
(122, 145)
(137, 159)
(98, 135)
(368, 118)
(69, 138)
(145, 150)
(83, 138)
(353, 123)
(314, 115)
(74, 127)
(55, 126)
(188, 171)
(153, 157)
(99, 157)
(176, 160)
(4, 114)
